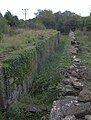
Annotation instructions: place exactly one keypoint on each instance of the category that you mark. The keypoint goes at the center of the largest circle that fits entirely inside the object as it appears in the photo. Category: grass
(85, 43)
(44, 89)
(23, 38)
(44, 84)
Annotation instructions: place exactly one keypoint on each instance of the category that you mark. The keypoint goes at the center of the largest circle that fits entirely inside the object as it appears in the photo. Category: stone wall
(10, 90)
(75, 89)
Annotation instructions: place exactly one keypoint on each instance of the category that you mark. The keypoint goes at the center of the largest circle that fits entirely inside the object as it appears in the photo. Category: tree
(4, 28)
(58, 19)
(3, 25)
(66, 21)
(12, 20)
(46, 17)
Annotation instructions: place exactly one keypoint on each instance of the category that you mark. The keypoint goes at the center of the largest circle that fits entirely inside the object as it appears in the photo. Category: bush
(2, 117)
(4, 28)
(1, 36)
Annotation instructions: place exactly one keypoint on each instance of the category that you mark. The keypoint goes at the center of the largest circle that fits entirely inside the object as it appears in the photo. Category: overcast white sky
(15, 6)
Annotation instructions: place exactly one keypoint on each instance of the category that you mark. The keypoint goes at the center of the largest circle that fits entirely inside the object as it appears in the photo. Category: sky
(82, 7)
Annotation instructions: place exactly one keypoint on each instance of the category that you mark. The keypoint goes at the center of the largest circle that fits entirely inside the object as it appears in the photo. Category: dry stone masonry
(76, 103)
(11, 87)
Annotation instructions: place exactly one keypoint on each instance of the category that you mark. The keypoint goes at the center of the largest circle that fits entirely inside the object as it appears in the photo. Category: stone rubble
(69, 117)
(85, 96)
(88, 117)
(75, 87)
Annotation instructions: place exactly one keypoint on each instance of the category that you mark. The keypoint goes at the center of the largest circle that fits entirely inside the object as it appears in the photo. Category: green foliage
(40, 26)
(35, 25)
(1, 36)
(44, 88)
(85, 43)
(67, 21)
(45, 48)
(21, 38)
(87, 23)
(22, 61)
(63, 22)
(21, 24)
(19, 64)
(4, 28)
(19, 114)
(12, 20)
(46, 17)
(2, 116)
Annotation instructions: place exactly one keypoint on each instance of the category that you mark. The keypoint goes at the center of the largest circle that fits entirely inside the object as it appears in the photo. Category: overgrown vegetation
(21, 38)
(23, 62)
(16, 35)
(44, 89)
(45, 19)
(19, 64)
(85, 41)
